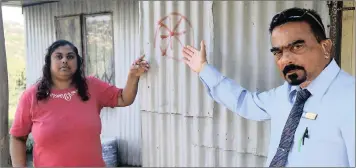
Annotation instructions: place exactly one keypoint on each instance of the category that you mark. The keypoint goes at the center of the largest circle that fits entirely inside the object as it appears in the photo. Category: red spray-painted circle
(170, 32)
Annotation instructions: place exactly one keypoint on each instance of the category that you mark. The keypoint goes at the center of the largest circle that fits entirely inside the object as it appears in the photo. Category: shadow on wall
(123, 153)
(122, 150)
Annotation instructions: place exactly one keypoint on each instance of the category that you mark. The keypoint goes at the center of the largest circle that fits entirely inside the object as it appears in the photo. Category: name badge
(310, 116)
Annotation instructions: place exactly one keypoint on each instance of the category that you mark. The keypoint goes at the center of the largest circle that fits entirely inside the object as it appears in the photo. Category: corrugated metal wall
(181, 126)
(124, 123)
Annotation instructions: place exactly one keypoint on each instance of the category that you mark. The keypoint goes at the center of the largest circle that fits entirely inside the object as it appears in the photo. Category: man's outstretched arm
(224, 90)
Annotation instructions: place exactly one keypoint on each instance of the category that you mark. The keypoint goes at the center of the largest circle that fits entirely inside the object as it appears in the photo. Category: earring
(326, 55)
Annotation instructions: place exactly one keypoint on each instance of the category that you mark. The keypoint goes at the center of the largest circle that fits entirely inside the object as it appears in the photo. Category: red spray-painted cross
(173, 33)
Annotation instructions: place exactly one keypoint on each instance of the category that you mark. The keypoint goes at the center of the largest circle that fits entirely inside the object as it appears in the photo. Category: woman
(63, 111)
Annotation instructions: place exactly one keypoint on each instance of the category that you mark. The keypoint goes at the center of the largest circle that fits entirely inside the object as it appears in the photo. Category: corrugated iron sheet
(123, 123)
(181, 125)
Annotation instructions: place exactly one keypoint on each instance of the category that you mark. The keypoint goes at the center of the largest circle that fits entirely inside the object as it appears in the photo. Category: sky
(12, 14)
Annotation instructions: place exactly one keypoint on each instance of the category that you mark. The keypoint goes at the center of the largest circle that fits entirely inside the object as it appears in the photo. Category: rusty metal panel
(181, 126)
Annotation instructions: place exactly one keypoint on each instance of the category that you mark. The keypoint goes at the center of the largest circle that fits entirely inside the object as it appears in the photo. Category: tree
(4, 101)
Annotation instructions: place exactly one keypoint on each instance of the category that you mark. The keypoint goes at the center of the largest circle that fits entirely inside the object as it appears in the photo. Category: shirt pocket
(322, 131)
(324, 147)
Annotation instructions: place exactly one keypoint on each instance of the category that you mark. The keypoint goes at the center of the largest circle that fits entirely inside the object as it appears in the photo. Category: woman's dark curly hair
(45, 82)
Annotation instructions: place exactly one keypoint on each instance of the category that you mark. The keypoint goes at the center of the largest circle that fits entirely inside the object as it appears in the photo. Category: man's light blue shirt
(331, 139)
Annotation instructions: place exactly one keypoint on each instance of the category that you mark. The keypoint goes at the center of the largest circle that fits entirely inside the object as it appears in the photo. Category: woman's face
(63, 63)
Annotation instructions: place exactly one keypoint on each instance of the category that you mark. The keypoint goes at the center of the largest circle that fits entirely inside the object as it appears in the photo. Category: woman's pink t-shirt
(66, 130)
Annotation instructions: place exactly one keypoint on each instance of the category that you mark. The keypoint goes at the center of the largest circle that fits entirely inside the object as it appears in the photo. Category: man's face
(297, 53)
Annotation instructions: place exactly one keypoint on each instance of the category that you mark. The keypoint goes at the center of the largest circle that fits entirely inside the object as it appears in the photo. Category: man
(313, 113)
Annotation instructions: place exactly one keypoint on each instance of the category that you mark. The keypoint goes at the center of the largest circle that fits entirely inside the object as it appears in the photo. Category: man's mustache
(291, 67)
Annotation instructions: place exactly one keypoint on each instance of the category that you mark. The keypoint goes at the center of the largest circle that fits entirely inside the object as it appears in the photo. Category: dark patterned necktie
(287, 137)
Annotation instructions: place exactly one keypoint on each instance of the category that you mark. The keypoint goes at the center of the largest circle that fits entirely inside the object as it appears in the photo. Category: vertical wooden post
(335, 12)
(347, 39)
(4, 101)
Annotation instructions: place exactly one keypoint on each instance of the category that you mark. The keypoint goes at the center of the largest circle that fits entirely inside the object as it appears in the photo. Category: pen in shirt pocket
(301, 140)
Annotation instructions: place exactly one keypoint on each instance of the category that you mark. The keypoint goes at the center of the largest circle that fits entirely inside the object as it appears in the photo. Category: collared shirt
(331, 139)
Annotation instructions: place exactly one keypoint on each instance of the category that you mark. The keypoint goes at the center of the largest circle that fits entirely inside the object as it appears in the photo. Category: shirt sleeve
(107, 94)
(250, 105)
(22, 123)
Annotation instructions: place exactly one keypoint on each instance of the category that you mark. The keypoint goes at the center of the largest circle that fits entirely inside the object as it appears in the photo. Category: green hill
(15, 52)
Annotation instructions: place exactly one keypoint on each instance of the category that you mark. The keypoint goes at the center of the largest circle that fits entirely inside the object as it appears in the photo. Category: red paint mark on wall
(170, 30)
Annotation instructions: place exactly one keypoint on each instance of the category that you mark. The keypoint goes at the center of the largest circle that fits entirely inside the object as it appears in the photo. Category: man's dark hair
(301, 15)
